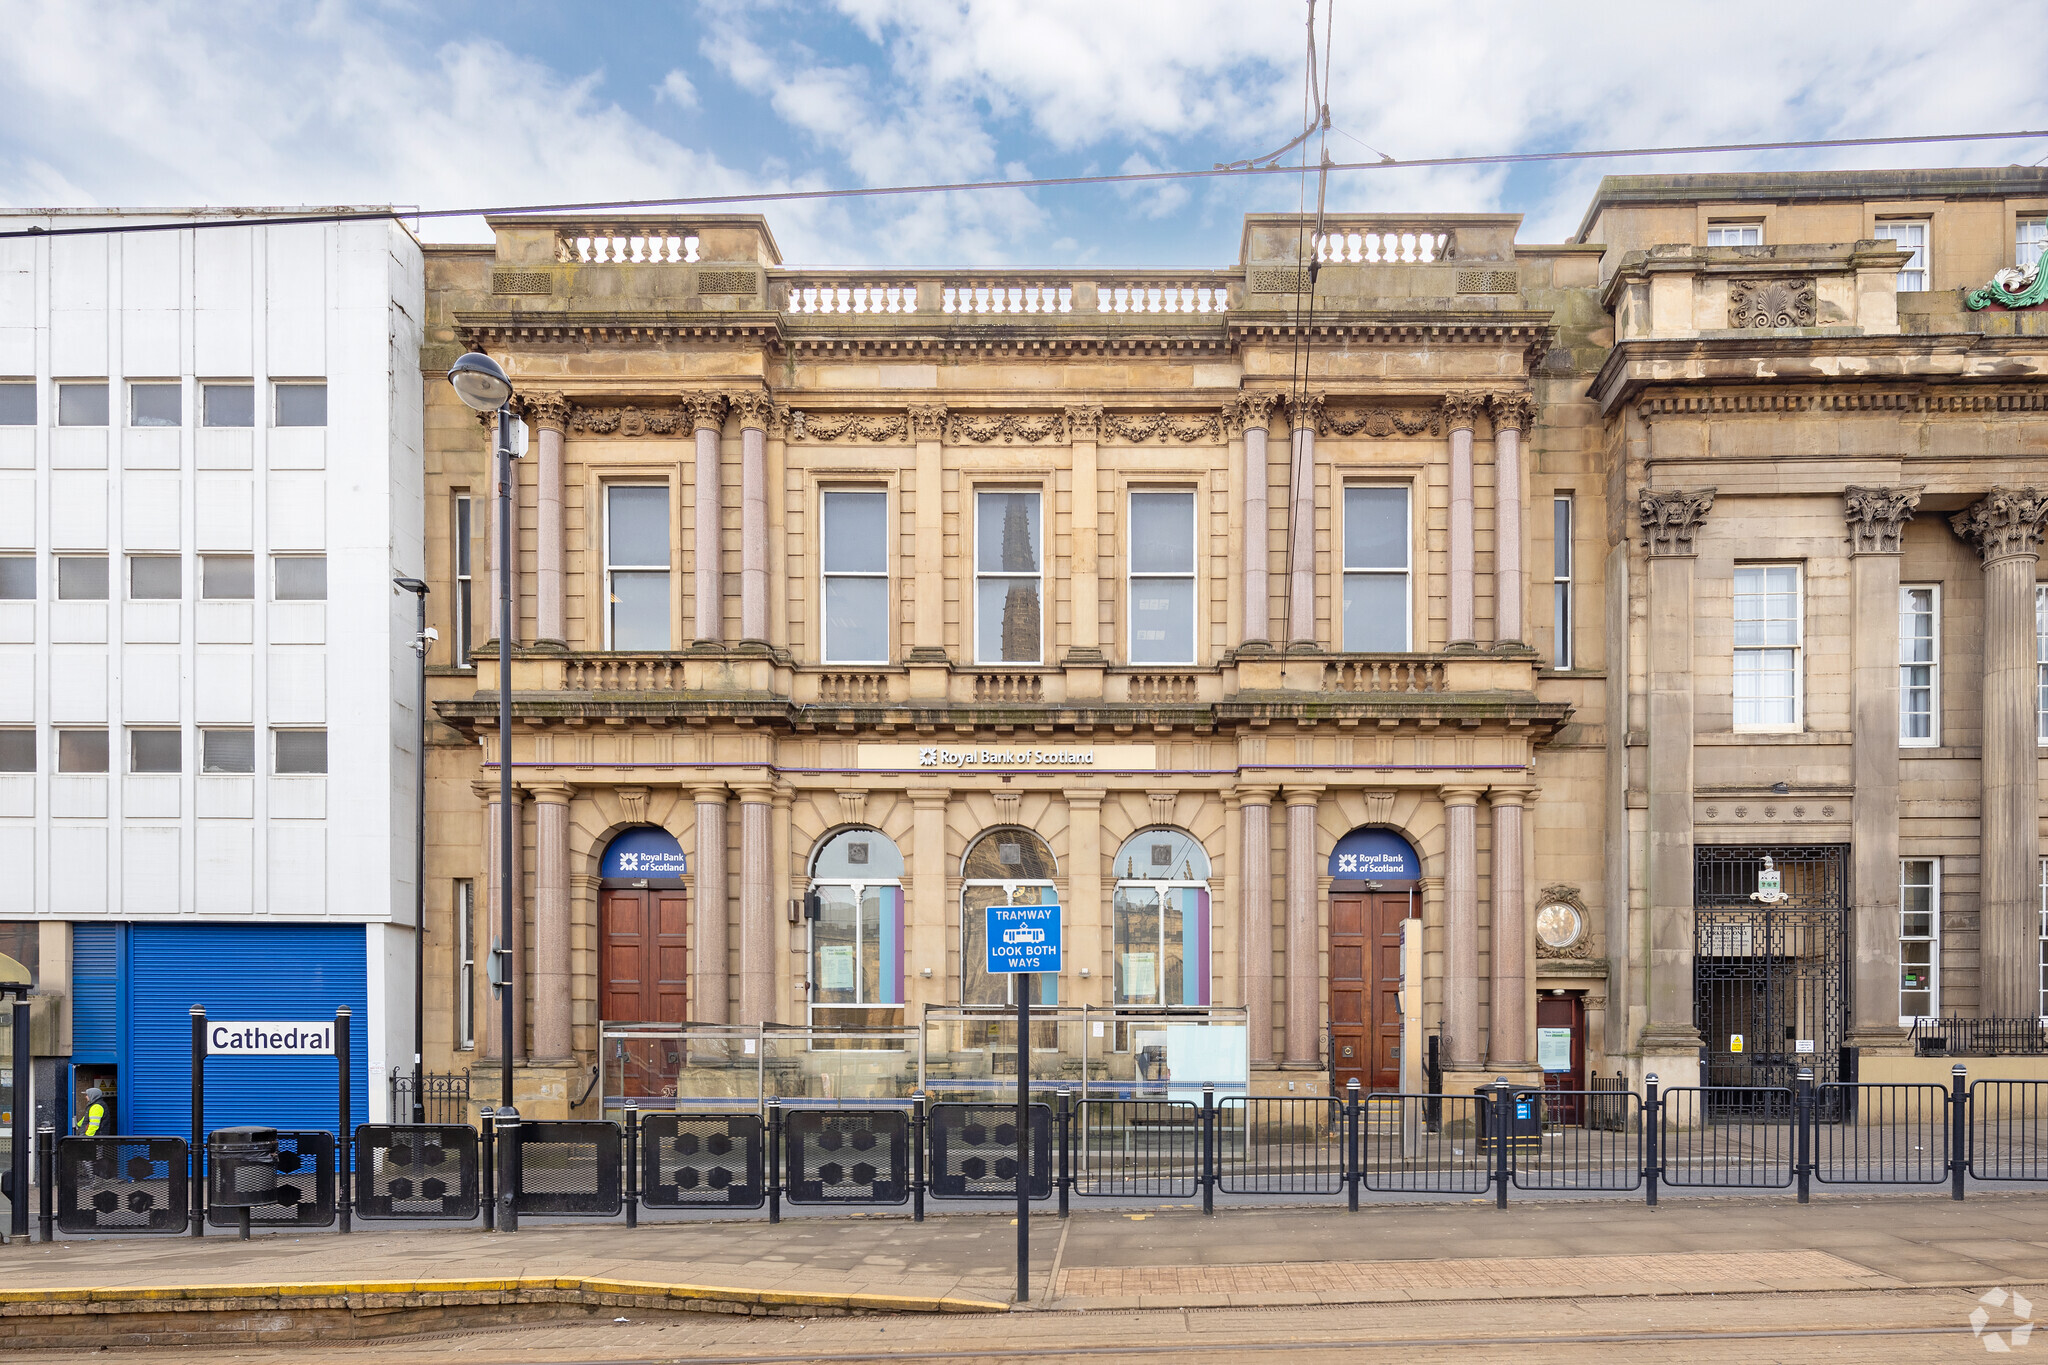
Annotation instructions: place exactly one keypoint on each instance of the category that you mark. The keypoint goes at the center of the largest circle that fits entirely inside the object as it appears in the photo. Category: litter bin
(242, 1169)
(1516, 1116)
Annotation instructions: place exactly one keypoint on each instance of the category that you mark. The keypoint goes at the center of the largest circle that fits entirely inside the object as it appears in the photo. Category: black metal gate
(1770, 978)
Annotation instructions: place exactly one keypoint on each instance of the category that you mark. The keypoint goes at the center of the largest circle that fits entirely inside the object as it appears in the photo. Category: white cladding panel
(151, 511)
(78, 513)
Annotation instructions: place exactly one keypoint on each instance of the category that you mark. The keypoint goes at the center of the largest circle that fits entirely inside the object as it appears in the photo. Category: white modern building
(210, 474)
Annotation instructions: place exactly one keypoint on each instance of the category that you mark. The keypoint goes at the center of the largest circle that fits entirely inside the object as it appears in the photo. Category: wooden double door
(643, 961)
(1365, 988)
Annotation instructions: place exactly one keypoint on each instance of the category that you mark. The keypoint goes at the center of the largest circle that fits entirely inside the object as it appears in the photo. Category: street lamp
(482, 385)
(426, 636)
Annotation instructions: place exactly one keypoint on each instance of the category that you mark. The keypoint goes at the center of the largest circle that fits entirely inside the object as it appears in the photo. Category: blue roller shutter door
(250, 972)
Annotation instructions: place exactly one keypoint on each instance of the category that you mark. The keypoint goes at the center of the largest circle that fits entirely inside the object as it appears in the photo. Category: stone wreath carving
(1771, 302)
(630, 421)
(1008, 428)
(1187, 427)
(1383, 422)
(856, 426)
(1580, 948)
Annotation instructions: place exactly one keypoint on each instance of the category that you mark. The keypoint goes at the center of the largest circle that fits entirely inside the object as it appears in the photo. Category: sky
(469, 104)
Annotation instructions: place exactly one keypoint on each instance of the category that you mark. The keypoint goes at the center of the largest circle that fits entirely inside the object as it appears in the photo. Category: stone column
(1461, 410)
(1305, 413)
(1084, 588)
(552, 1014)
(1670, 518)
(1303, 947)
(924, 929)
(778, 544)
(1511, 415)
(494, 609)
(1507, 1030)
(709, 992)
(1877, 517)
(707, 546)
(2005, 527)
(489, 935)
(752, 411)
(1088, 909)
(928, 619)
(1255, 920)
(549, 413)
(1461, 928)
(757, 924)
(1250, 414)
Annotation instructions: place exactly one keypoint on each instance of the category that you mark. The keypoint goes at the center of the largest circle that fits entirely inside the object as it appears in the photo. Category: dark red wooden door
(643, 958)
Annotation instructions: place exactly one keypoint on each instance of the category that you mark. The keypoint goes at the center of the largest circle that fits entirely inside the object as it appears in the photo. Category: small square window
(227, 578)
(81, 751)
(17, 751)
(17, 578)
(302, 405)
(300, 578)
(227, 751)
(156, 405)
(155, 577)
(301, 751)
(82, 405)
(82, 578)
(156, 751)
(228, 405)
(17, 404)
(1735, 234)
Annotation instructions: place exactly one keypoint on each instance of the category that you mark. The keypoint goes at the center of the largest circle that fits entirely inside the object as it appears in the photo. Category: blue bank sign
(1023, 938)
(645, 851)
(1374, 855)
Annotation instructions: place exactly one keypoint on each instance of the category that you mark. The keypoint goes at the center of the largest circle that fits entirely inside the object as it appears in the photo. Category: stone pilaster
(1305, 412)
(927, 913)
(709, 992)
(1512, 413)
(549, 413)
(752, 409)
(1507, 1030)
(1876, 519)
(757, 923)
(1670, 518)
(2005, 528)
(1304, 943)
(1461, 928)
(1084, 656)
(552, 1004)
(1250, 415)
(1086, 903)
(707, 546)
(778, 544)
(1255, 920)
(490, 934)
(928, 620)
(1461, 411)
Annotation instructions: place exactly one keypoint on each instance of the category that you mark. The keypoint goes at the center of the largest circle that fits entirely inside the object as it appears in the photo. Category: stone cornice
(1692, 369)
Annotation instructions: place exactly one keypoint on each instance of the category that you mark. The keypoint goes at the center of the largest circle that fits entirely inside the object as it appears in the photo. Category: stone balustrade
(1163, 296)
(1404, 246)
(1007, 296)
(600, 245)
(824, 296)
(1384, 673)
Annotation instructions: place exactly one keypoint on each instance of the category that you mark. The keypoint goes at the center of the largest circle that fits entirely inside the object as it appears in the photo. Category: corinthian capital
(1512, 410)
(1878, 517)
(1305, 410)
(1462, 409)
(1249, 410)
(549, 410)
(706, 409)
(1084, 421)
(2005, 521)
(927, 421)
(751, 406)
(1670, 516)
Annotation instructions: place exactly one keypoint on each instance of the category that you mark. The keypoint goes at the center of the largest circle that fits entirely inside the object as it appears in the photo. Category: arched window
(1161, 909)
(1002, 867)
(857, 936)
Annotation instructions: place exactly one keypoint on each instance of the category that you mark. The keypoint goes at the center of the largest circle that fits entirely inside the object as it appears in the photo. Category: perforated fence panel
(974, 1151)
(847, 1156)
(305, 1187)
(424, 1171)
(702, 1160)
(121, 1184)
(570, 1167)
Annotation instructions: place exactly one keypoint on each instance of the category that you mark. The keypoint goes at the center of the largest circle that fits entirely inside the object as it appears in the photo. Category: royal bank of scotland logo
(2008, 1335)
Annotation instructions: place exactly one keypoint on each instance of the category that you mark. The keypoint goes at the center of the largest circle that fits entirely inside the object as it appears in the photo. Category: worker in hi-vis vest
(95, 1120)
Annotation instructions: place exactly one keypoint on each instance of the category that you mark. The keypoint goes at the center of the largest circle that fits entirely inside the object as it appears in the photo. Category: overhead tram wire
(703, 201)
(1315, 100)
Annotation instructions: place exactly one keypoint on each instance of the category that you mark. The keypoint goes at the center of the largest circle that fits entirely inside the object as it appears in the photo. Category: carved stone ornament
(632, 805)
(848, 426)
(1771, 301)
(1187, 428)
(751, 407)
(1462, 409)
(549, 410)
(1249, 410)
(1084, 421)
(1512, 410)
(778, 420)
(1669, 517)
(629, 421)
(1383, 422)
(2005, 521)
(1010, 428)
(1878, 517)
(1304, 410)
(1562, 924)
(927, 421)
(706, 409)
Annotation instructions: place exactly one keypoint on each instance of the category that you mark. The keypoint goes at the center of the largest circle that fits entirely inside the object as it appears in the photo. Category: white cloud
(678, 89)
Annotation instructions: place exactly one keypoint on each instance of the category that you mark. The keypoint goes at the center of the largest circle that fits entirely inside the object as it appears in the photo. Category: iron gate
(1770, 979)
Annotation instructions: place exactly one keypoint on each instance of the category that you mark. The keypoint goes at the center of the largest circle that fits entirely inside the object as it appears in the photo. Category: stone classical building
(1563, 598)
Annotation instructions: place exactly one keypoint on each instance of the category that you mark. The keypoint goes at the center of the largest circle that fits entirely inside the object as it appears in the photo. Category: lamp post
(482, 385)
(426, 636)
